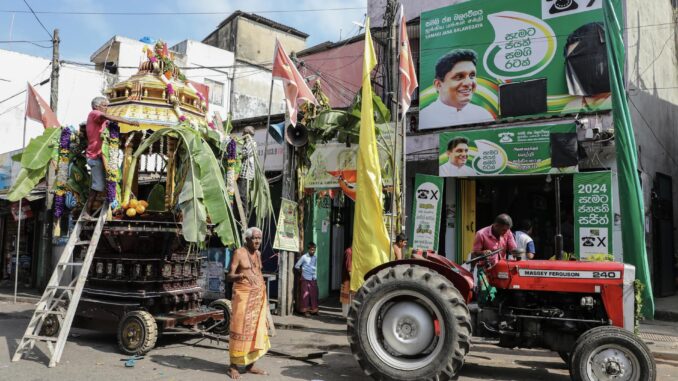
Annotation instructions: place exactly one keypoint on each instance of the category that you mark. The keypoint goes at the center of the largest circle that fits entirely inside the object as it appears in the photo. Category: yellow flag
(370, 238)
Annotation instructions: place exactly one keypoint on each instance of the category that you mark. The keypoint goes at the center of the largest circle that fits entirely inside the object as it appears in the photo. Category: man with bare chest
(248, 340)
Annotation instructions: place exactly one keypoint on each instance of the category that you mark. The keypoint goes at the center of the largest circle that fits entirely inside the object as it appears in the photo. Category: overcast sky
(82, 34)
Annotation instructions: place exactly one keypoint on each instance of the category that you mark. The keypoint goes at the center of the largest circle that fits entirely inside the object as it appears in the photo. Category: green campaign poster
(428, 201)
(503, 151)
(287, 230)
(593, 216)
(510, 41)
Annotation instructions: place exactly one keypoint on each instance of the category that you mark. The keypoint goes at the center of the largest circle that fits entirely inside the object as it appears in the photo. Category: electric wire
(40, 22)
(180, 13)
(26, 42)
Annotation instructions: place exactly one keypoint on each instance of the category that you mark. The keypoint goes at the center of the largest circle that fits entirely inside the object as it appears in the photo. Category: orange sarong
(248, 339)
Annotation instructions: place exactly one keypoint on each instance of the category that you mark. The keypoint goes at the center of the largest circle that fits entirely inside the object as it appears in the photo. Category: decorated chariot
(169, 194)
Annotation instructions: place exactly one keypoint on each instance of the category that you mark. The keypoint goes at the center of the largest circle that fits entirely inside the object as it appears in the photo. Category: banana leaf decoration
(42, 149)
(34, 162)
(202, 189)
(260, 194)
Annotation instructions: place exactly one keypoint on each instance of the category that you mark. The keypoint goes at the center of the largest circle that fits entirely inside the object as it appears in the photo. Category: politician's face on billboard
(454, 84)
(456, 88)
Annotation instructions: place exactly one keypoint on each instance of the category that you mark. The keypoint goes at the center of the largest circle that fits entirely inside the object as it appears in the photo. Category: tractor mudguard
(463, 284)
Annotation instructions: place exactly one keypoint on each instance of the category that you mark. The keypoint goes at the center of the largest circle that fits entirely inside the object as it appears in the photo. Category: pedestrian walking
(345, 292)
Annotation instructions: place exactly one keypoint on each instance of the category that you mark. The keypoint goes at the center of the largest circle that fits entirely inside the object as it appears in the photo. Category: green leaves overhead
(25, 182)
(41, 149)
(345, 125)
(34, 161)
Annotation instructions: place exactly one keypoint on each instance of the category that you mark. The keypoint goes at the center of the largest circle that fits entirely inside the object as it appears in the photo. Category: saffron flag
(38, 110)
(294, 85)
(370, 238)
(408, 74)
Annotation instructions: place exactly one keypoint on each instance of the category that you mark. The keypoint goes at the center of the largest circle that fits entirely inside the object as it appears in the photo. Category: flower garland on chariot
(110, 150)
(72, 179)
(60, 185)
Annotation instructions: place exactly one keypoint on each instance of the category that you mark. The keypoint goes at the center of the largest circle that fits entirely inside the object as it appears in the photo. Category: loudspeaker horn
(277, 131)
(297, 136)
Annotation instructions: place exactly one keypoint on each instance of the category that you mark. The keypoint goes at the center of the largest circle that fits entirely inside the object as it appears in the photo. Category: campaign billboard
(475, 56)
(509, 151)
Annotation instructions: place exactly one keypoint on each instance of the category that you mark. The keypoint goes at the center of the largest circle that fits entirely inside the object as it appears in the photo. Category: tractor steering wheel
(484, 256)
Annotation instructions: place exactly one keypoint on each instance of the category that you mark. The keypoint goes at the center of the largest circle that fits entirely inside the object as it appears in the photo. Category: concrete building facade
(241, 33)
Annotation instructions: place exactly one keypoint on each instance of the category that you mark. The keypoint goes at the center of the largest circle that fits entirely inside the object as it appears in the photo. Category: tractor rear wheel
(611, 353)
(408, 322)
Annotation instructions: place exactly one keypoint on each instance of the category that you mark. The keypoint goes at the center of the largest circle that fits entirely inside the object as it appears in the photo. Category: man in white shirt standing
(308, 292)
(523, 240)
(455, 82)
(457, 153)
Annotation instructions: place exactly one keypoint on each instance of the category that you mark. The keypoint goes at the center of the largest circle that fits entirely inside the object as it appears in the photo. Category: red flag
(408, 75)
(295, 87)
(38, 110)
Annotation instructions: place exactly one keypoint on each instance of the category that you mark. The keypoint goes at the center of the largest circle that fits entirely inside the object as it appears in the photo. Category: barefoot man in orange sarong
(248, 340)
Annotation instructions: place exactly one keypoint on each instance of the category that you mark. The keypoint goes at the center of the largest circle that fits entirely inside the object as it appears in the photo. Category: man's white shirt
(522, 240)
(438, 114)
(450, 170)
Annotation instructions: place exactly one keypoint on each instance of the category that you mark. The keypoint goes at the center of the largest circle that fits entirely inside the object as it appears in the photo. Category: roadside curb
(19, 299)
(663, 355)
(670, 316)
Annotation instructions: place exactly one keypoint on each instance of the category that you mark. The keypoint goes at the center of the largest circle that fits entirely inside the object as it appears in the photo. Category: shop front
(536, 175)
(329, 202)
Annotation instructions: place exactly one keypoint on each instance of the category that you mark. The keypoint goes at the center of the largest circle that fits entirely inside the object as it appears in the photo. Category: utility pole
(286, 258)
(54, 78)
(392, 98)
(48, 221)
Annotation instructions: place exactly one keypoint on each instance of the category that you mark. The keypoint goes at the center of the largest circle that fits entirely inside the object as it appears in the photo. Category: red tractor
(413, 319)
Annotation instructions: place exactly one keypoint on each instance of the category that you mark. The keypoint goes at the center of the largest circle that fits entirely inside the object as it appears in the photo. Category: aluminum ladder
(60, 301)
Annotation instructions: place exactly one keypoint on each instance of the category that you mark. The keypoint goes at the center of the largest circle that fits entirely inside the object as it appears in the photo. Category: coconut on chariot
(170, 182)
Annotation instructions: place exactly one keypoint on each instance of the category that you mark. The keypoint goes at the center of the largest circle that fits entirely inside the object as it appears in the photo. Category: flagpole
(403, 159)
(18, 228)
(268, 122)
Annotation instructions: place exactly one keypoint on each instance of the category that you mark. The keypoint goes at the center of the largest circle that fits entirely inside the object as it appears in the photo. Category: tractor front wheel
(611, 353)
(408, 322)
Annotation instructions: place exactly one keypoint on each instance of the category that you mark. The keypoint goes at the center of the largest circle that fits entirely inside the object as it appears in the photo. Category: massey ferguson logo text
(570, 274)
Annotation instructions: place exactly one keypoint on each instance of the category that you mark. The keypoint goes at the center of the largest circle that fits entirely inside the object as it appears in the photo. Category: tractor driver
(494, 237)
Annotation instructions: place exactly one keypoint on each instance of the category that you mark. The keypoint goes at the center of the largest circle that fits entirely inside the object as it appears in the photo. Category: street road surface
(93, 356)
